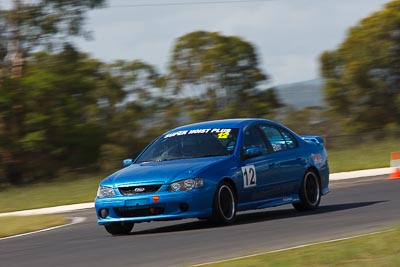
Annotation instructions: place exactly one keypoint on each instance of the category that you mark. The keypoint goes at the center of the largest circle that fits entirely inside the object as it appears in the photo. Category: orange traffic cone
(395, 162)
(395, 174)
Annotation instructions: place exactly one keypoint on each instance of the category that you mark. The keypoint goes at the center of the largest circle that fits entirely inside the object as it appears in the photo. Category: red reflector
(155, 198)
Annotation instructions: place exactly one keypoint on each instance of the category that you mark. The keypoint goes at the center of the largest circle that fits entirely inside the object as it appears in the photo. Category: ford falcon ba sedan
(212, 170)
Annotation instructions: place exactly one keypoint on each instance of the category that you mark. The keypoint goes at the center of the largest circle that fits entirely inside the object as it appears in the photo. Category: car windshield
(196, 143)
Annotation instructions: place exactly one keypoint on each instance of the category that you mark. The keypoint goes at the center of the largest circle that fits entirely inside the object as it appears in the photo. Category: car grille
(143, 212)
(142, 189)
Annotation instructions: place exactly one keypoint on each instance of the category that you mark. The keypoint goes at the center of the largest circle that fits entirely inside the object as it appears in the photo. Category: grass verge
(15, 225)
(55, 193)
(381, 249)
(363, 156)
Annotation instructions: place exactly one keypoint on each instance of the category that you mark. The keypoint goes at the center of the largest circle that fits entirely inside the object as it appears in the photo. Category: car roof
(227, 123)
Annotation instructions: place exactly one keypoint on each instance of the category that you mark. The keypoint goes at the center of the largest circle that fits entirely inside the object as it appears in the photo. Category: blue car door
(258, 170)
(288, 157)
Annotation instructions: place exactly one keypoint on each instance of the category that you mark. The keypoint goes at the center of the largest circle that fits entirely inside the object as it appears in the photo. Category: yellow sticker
(223, 135)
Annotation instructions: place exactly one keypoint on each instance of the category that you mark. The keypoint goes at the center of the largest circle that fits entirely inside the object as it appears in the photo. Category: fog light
(184, 207)
(152, 210)
(103, 213)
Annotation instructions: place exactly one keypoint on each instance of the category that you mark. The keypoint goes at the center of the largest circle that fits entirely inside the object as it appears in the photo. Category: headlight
(105, 191)
(186, 185)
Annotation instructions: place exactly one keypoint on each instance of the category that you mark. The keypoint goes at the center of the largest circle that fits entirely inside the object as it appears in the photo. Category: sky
(289, 35)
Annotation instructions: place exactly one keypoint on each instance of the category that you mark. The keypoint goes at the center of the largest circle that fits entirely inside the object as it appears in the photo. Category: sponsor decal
(317, 158)
(222, 132)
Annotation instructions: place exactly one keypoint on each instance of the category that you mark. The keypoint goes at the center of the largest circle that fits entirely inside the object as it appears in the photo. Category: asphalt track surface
(353, 207)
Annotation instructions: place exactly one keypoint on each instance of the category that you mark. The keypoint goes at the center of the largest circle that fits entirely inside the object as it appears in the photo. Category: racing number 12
(249, 176)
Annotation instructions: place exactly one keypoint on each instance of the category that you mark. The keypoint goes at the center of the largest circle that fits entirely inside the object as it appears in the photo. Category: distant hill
(302, 94)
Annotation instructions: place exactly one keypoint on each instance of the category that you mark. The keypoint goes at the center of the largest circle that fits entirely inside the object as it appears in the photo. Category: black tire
(224, 205)
(310, 192)
(122, 228)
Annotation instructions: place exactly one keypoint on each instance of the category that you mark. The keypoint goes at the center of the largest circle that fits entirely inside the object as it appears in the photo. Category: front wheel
(310, 194)
(121, 228)
(224, 205)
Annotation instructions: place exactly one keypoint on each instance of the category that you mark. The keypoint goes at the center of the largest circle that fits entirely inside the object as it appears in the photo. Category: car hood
(162, 172)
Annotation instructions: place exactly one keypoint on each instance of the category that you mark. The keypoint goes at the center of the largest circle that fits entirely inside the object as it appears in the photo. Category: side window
(290, 141)
(252, 138)
(279, 139)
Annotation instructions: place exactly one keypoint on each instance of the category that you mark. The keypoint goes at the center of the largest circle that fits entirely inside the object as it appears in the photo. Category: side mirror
(253, 152)
(127, 162)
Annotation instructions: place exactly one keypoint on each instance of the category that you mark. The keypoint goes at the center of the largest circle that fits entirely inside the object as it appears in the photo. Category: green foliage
(362, 75)
(311, 120)
(52, 116)
(128, 126)
(46, 106)
(220, 76)
(44, 22)
(259, 104)
(137, 78)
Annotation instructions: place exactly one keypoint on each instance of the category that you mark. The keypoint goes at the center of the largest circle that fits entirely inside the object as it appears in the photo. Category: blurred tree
(140, 80)
(257, 104)
(310, 120)
(220, 77)
(66, 101)
(210, 65)
(27, 27)
(363, 74)
(140, 117)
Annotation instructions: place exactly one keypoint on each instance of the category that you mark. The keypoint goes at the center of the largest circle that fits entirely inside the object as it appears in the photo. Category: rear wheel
(310, 194)
(224, 206)
(121, 228)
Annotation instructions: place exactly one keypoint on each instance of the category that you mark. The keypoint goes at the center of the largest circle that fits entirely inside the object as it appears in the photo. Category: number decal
(223, 135)
(249, 176)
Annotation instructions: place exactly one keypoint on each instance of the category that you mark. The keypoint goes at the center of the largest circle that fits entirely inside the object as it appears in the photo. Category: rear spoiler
(313, 139)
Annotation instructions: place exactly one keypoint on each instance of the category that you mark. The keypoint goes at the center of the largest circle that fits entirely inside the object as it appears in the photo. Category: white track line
(75, 220)
(296, 247)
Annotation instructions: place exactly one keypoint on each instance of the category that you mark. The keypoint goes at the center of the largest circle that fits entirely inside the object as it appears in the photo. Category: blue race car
(212, 170)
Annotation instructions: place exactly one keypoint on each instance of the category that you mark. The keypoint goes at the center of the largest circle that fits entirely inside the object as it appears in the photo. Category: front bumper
(155, 207)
